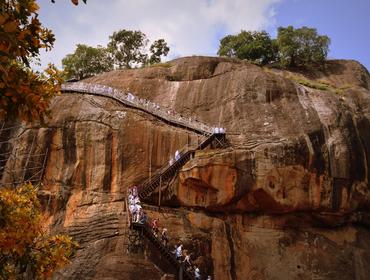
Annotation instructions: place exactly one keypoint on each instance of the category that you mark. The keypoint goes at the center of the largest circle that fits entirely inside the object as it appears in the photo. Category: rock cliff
(288, 199)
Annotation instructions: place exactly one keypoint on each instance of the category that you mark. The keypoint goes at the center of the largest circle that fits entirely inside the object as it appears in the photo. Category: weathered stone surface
(288, 199)
(294, 148)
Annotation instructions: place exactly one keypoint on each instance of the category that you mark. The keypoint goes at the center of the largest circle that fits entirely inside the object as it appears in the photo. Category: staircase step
(150, 186)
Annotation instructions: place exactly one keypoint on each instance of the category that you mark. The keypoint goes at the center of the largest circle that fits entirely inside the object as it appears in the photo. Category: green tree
(87, 61)
(157, 49)
(24, 93)
(256, 46)
(302, 46)
(26, 251)
(129, 48)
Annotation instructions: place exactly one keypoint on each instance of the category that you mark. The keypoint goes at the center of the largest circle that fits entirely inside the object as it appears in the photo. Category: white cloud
(191, 27)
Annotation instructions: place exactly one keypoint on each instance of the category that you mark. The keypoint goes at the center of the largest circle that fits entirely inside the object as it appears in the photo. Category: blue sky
(194, 27)
(346, 22)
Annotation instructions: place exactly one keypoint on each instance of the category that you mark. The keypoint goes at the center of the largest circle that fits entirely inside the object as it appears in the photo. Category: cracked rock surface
(288, 199)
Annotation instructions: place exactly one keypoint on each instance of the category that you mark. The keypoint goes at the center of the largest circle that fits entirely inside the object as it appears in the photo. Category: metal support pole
(150, 154)
(181, 272)
(159, 192)
(43, 165)
(28, 158)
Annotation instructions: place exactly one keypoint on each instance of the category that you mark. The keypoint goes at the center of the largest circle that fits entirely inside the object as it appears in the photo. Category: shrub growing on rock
(255, 46)
(293, 47)
(301, 47)
(87, 61)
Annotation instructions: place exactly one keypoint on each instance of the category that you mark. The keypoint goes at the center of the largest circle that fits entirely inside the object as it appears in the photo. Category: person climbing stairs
(168, 172)
(164, 251)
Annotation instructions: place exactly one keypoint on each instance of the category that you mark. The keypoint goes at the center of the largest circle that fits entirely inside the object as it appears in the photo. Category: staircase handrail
(131, 100)
(158, 172)
(166, 168)
(148, 229)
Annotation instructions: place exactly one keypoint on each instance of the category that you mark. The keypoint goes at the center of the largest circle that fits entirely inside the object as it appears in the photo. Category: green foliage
(129, 48)
(320, 85)
(255, 46)
(126, 49)
(161, 64)
(301, 46)
(157, 49)
(293, 47)
(24, 94)
(87, 61)
(25, 248)
(311, 84)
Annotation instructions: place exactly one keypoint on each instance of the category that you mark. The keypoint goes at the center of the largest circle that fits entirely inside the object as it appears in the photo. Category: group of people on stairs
(182, 256)
(140, 216)
(218, 130)
(143, 103)
(136, 210)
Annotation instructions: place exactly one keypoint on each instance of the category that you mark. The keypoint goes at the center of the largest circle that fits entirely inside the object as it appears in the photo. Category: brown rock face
(288, 199)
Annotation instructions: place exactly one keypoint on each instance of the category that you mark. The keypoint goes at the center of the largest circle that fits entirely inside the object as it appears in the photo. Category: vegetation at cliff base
(300, 47)
(25, 248)
(27, 251)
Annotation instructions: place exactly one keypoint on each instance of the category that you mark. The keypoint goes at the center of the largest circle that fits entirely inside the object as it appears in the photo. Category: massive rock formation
(288, 199)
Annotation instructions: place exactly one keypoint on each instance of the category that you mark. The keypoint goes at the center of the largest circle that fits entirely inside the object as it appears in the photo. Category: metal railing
(147, 230)
(168, 170)
(131, 100)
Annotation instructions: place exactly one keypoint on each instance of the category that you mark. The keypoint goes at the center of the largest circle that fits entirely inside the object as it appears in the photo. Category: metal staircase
(127, 99)
(168, 171)
(150, 185)
(163, 174)
(146, 230)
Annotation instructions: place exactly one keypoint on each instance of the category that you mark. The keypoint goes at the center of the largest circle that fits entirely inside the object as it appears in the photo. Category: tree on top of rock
(129, 48)
(157, 49)
(255, 46)
(87, 61)
(293, 47)
(301, 47)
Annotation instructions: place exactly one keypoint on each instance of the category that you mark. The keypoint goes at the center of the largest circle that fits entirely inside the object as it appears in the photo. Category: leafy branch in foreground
(25, 248)
(24, 93)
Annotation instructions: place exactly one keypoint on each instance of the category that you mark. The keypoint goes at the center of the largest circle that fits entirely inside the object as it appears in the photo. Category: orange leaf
(33, 7)
(22, 34)
(36, 99)
(3, 18)
(10, 26)
(4, 47)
